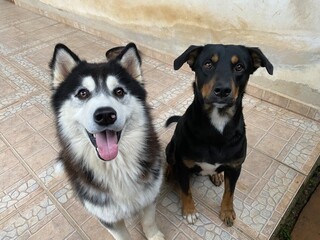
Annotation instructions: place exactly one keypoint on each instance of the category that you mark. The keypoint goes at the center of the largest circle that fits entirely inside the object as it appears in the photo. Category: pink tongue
(107, 144)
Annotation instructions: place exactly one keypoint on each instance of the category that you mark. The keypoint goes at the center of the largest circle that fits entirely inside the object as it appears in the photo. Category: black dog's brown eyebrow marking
(215, 58)
(234, 59)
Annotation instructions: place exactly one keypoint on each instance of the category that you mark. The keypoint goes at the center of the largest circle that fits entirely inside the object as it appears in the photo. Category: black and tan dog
(210, 137)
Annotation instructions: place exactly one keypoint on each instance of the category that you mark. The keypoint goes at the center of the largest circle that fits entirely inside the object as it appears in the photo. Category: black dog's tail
(171, 120)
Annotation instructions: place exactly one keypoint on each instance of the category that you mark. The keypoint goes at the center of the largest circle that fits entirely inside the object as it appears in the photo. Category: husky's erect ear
(129, 59)
(113, 53)
(259, 60)
(62, 63)
(190, 55)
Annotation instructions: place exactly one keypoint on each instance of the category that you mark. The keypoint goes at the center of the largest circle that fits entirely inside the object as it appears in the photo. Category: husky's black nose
(105, 116)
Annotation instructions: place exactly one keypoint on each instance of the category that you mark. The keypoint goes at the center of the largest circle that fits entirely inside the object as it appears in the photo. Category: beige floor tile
(282, 131)
(254, 134)
(3, 144)
(57, 228)
(9, 123)
(30, 113)
(255, 118)
(31, 145)
(8, 160)
(40, 121)
(246, 182)
(41, 158)
(271, 145)
(74, 236)
(19, 133)
(257, 163)
(78, 212)
(95, 230)
(12, 175)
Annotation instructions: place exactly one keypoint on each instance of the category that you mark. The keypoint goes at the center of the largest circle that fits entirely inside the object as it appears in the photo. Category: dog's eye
(83, 94)
(119, 92)
(239, 67)
(208, 65)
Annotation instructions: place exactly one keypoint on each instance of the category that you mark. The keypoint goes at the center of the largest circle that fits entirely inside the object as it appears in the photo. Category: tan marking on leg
(189, 163)
(188, 208)
(234, 59)
(227, 214)
(187, 203)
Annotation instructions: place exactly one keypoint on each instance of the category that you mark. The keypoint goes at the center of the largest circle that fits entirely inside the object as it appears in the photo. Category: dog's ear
(130, 59)
(260, 60)
(62, 63)
(190, 55)
(114, 52)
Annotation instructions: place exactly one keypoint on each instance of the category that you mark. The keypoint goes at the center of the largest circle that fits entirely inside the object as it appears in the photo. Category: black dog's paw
(228, 216)
(217, 179)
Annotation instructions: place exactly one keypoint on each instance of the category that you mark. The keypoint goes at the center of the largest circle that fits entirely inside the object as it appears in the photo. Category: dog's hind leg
(118, 230)
(149, 225)
(170, 160)
(227, 214)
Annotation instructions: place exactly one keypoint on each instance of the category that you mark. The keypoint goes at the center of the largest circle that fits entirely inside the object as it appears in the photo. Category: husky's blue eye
(83, 94)
(119, 92)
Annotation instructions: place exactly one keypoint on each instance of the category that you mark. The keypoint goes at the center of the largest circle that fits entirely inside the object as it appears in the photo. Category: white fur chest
(207, 168)
(219, 121)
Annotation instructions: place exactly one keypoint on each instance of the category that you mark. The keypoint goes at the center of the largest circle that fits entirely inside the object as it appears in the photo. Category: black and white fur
(113, 189)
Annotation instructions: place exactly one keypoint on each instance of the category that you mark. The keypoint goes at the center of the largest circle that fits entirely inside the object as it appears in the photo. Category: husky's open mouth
(106, 144)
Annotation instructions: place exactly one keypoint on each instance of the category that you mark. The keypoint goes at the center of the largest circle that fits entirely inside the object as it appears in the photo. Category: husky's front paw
(158, 236)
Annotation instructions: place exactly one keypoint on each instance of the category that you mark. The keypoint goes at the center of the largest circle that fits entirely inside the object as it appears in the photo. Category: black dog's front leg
(188, 208)
(227, 214)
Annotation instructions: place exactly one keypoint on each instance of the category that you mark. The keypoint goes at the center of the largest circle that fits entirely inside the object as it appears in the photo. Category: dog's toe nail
(229, 223)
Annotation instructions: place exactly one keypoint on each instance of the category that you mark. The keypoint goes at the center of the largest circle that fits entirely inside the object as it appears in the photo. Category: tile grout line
(62, 210)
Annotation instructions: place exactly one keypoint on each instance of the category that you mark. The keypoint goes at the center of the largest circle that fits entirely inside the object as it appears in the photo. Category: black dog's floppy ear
(130, 59)
(62, 63)
(260, 60)
(114, 52)
(190, 55)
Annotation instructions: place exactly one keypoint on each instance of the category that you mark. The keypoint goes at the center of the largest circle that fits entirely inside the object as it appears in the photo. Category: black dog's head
(222, 71)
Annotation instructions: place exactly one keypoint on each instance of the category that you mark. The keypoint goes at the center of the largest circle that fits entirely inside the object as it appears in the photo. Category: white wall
(288, 31)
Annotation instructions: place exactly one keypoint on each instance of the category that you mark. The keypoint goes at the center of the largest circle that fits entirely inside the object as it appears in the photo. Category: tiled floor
(36, 203)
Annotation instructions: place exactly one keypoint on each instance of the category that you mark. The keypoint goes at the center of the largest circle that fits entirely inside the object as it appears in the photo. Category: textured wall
(288, 31)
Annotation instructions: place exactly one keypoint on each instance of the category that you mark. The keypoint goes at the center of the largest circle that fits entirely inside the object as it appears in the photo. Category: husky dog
(109, 147)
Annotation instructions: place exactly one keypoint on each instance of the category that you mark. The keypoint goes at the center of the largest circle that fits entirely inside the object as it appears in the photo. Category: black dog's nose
(105, 116)
(222, 92)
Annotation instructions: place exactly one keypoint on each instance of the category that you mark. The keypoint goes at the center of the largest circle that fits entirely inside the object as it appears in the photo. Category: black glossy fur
(211, 134)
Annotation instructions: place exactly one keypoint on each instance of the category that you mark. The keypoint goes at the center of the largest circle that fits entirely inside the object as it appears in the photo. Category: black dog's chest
(215, 150)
